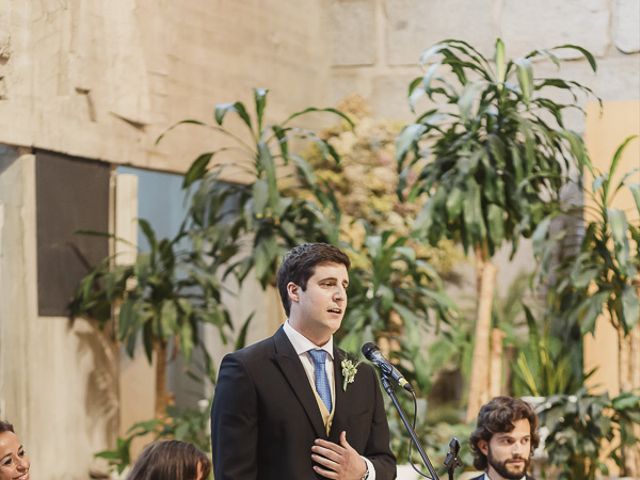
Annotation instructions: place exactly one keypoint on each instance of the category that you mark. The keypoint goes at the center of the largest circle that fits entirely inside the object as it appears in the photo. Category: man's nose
(518, 448)
(340, 293)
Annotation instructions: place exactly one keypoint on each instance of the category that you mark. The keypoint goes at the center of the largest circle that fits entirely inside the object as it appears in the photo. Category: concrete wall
(103, 79)
(57, 380)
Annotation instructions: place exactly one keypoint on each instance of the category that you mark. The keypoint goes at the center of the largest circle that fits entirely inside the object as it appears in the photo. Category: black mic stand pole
(425, 459)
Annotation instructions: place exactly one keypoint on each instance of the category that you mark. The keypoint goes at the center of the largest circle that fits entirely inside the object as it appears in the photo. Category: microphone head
(368, 348)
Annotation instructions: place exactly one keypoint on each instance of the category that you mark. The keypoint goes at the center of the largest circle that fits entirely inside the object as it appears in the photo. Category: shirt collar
(302, 344)
(486, 477)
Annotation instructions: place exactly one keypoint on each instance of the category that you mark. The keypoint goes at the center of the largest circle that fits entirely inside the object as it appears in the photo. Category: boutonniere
(349, 370)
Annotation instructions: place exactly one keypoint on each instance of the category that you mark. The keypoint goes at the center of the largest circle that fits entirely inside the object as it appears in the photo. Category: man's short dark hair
(499, 416)
(299, 265)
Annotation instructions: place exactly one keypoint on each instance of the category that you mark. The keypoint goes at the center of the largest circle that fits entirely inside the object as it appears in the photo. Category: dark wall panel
(71, 194)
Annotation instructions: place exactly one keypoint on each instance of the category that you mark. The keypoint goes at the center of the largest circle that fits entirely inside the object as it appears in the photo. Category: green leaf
(266, 162)
(260, 97)
(283, 141)
(598, 182)
(468, 97)
(168, 319)
(182, 122)
(238, 107)
(197, 170)
(186, 340)
(587, 54)
(260, 192)
(614, 163)
(266, 251)
(635, 191)
(525, 78)
(454, 203)
(241, 340)
(408, 136)
(149, 234)
(305, 169)
(500, 61)
(314, 109)
(619, 228)
(495, 224)
(591, 309)
(630, 307)
(426, 55)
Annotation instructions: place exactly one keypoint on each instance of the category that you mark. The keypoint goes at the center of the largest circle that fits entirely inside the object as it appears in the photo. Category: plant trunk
(495, 373)
(162, 398)
(479, 388)
(629, 367)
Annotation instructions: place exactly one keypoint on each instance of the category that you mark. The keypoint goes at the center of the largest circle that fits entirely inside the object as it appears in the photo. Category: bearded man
(504, 440)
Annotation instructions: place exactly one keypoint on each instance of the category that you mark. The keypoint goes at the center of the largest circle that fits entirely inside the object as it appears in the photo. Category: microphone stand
(425, 459)
(452, 461)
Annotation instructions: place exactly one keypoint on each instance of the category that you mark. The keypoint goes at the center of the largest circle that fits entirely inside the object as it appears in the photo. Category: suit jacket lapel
(292, 369)
(342, 398)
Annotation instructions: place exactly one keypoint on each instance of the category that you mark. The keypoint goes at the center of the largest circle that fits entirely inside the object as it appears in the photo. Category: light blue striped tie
(320, 375)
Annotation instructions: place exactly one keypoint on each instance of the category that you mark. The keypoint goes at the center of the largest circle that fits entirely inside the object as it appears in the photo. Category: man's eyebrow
(332, 279)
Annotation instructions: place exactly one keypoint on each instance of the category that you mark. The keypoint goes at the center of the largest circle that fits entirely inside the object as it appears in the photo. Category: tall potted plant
(490, 160)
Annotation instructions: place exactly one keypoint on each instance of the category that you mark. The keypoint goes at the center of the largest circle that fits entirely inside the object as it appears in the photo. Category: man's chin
(512, 470)
(518, 469)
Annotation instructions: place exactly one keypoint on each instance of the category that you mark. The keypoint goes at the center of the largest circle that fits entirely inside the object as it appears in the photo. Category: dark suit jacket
(265, 417)
(481, 477)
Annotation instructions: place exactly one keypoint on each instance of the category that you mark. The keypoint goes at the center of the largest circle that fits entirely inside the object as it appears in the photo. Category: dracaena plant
(163, 296)
(602, 274)
(489, 160)
(394, 296)
(248, 226)
(585, 428)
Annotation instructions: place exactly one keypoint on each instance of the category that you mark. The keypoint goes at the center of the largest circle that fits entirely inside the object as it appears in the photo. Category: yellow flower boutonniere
(349, 370)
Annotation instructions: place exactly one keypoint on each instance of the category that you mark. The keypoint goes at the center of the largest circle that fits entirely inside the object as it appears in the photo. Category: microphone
(372, 353)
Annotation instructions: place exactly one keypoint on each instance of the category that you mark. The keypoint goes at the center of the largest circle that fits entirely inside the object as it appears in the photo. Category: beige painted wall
(604, 133)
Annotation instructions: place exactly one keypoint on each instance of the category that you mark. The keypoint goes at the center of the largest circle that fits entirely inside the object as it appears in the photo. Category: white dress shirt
(302, 345)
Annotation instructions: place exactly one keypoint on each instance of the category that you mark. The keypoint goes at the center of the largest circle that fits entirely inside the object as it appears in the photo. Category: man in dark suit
(504, 439)
(293, 406)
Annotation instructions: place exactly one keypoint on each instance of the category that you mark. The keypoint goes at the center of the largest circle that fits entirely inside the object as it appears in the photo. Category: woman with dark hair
(171, 459)
(14, 463)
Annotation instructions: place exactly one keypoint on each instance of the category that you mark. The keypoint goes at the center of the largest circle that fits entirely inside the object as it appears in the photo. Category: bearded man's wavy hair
(499, 416)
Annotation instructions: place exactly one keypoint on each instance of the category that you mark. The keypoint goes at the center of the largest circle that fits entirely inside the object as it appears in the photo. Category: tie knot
(318, 356)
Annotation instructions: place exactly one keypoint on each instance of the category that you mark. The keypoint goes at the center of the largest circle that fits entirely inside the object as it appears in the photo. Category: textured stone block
(345, 83)
(546, 23)
(415, 25)
(626, 25)
(352, 32)
(617, 78)
(389, 96)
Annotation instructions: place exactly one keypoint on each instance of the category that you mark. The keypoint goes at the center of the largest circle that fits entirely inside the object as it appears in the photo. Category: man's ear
(294, 292)
(483, 446)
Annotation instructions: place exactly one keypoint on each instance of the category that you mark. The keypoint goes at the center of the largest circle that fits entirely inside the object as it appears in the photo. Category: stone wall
(375, 44)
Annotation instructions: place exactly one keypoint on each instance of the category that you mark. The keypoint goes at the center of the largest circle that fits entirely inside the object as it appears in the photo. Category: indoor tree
(164, 296)
(248, 226)
(490, 160)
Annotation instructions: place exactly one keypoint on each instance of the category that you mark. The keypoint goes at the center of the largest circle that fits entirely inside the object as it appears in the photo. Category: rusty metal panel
(71, 194)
